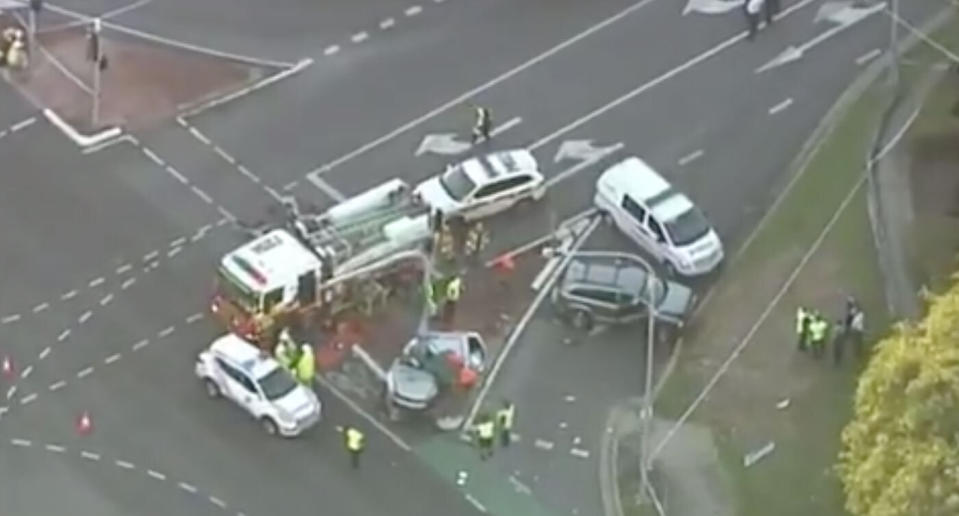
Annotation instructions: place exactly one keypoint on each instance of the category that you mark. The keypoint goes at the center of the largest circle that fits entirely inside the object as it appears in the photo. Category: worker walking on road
(454, 289)
(839, 341)
(477, 239)
(857, 326)
(771, 10)
(483, 126)
(306, 365)
(505, 417)
(753, 9)
(803, 318)
(354, 441)
(485, 434)
(818, 334)
(284, 354)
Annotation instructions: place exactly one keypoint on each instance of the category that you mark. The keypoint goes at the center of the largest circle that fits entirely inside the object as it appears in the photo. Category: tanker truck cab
(658, 218)
(272, 273)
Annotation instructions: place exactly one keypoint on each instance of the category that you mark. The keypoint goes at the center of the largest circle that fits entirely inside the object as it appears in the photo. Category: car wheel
(212, 389)
(269, 426)
(581, 320)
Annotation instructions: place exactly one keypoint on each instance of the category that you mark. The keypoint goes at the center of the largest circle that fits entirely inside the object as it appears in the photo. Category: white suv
(237, 370)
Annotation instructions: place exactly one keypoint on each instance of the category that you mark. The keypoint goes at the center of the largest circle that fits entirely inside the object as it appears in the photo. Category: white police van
(661, 220)
(237, 370)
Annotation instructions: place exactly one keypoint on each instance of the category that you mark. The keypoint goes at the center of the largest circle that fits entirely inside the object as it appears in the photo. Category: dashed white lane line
(55, 448)
(326, 187)
(90, 455)
(26, 372)
(868, 56)
(150, 256)
(360, 37)
(190, 488)
(123, 269)
(41, 307)
(413, 11)
(111, 359)
(543, 444)
(128, 283)
(29, 398)
(96, 282)
(330, 50)
(579, 452)
(23, 124)
(69, 295)
(472, 500)
(56, 386)
(124, 464)
(23, 443)
(106, 300)
(166, 332)
(83, 373)
(216, 501)
(387, 23)
(156, 474)
(44, 353)
(173, 252)
(12, 391)
(85, 316)
(691, 157)
(194, 318)
(10, 319)
(205, 197)
(63, 335)
(140, 345)
(778, 108)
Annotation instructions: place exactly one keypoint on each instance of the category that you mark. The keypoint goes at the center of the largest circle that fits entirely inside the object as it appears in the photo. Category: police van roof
(272, 260)
(244, 354)
(633, 177)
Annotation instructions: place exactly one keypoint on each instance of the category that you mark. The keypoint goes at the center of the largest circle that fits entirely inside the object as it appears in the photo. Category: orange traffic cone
(7, 367)
(84, 423)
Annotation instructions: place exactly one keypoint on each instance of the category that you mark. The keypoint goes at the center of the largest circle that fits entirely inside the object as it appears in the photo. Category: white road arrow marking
(843, 14)
(586, 160)
(583, 150)
(712, 6)
(445, 143)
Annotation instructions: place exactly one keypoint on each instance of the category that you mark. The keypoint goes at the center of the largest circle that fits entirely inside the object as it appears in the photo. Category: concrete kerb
(81, 140)
(262, 83)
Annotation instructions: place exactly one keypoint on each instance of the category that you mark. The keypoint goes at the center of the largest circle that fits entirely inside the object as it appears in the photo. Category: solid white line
(23, 124)
(43, 354)
(458, 101)
(330, 50)
(521, 325)
(63, 335)
(128, 283)
(475, 503)
(112, 358)
(29, 398)
(56, 448)
(85, 317)
(198, 135)
(366, 415)
(166, 332)
(173, 252)
(41, 307)
(691, 157)
(187, 487)
(109, 143)
(96, 282)
(123, 269)
(55, 386)
(156, 474)
(90, 455)
(69, 295)
(106, 299)
(140, 345)
(413, 11)
(85, 372)
(177, 175)
(387, 23)
(659, 80)
(21, 442)
(328, 189)
(26, 372)
(124, 464)
(359, 37)
(10, 318)
(202, 195)
(216, 501)
(868, 56)
(781, 106)
(544, 445)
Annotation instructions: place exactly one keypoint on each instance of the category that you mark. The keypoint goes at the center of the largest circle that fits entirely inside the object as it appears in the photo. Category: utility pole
(646, 412)
(894, 45)
(97, 52)
(34, 9)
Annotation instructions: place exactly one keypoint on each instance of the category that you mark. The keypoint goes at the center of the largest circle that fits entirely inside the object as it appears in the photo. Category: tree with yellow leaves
(900, 452)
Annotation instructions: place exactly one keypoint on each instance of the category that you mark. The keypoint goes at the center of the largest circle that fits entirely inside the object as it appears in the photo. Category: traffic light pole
(97, 57)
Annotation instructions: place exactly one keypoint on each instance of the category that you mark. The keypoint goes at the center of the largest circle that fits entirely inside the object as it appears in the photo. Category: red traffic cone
(7, 367)
(84, 423)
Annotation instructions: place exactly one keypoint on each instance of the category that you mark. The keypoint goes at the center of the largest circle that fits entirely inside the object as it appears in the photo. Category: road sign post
(894, 45)
(97, 55)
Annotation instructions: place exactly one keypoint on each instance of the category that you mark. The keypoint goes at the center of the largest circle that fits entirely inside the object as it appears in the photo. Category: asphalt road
(119, 214)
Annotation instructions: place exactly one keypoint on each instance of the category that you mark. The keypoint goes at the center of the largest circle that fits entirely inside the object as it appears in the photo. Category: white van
(661, 220)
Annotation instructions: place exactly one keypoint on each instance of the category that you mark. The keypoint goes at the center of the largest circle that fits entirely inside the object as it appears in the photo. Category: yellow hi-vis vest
(486, 430)
(818, 329)
(505, 416)
(454, 288)
(354, 439)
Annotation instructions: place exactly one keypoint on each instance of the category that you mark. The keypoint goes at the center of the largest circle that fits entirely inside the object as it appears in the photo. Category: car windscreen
(688, 227)
(233, 290)
(456, 183)
(277, 383)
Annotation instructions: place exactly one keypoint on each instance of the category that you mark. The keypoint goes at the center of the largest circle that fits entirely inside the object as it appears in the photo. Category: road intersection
(108, 255)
